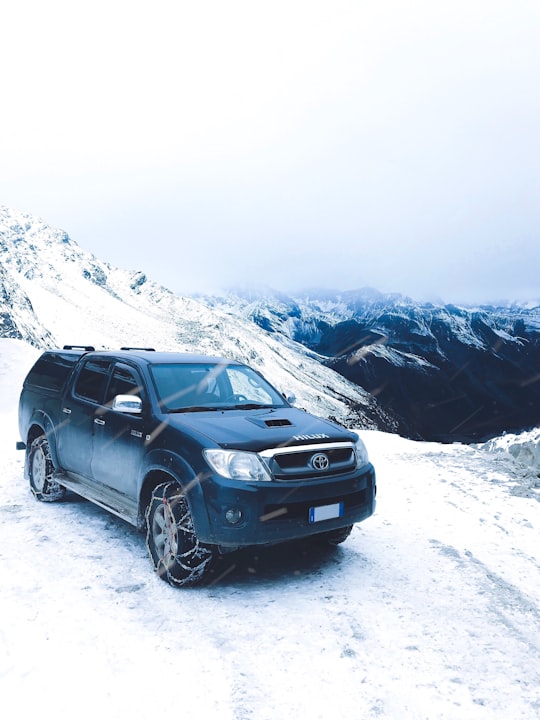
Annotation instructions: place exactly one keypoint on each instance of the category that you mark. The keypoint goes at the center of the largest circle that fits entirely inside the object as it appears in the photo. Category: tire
(175, 551)
(40, 472)
(335, 537)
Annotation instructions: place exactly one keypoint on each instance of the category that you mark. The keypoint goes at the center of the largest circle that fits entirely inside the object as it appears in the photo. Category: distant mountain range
(444, 372)
(437, 372)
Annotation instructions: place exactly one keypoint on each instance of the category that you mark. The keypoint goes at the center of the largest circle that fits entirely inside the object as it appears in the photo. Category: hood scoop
(278, 422)
(271, 423)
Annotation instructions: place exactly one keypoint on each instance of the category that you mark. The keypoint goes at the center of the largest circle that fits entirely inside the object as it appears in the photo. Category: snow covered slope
(429, 611)
(55, 293)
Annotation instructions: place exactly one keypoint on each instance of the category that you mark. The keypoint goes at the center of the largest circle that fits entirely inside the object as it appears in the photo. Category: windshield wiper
(194, 408)
(253, 406)
(204, 408)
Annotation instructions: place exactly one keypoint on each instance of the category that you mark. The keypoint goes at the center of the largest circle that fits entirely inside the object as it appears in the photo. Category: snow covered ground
(431, 609)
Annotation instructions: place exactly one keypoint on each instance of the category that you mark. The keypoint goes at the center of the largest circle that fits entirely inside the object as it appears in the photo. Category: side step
(108, 498)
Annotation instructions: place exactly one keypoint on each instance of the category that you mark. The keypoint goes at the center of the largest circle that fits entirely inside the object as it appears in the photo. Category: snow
(525, 448)
(398, 358)
(429, 611)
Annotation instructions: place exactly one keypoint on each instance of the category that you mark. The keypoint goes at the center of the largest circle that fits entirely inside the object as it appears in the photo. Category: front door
(119, 437)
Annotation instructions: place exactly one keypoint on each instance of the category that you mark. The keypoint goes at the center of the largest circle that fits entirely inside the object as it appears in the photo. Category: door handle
(99, 421)
(67, 411)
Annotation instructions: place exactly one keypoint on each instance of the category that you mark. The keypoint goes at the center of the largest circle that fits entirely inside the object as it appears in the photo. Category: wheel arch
(40, 427)
(167, 468)
(152, 479)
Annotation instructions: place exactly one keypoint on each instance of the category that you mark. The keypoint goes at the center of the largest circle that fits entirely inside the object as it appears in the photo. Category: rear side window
(92, 380)
(51, 371)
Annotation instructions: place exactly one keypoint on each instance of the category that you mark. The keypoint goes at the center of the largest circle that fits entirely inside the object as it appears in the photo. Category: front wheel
(41, 469)
(176, 553)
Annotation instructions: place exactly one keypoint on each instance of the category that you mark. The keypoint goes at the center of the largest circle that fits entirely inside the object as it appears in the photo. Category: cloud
(384, 143)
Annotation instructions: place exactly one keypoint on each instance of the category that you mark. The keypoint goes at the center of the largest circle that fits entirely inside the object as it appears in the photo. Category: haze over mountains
(382, 361)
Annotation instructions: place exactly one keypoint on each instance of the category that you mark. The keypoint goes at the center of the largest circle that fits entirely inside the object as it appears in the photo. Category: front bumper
(274, 512)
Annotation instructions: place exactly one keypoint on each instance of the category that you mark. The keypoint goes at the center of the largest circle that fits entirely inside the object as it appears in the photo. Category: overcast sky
(288, 143)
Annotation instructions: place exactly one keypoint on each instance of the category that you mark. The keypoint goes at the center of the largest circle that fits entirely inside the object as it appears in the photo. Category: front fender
(161, 461)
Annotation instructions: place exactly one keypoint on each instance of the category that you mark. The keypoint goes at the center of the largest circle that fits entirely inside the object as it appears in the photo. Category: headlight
(361, 454)
(237, 465)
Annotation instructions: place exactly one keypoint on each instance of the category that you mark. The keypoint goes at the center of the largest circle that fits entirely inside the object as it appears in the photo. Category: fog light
(233, 516)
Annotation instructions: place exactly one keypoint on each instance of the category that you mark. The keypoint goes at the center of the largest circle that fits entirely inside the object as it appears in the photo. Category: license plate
(325, 512)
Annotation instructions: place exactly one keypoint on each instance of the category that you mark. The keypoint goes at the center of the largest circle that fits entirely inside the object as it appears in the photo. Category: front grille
(310, 461)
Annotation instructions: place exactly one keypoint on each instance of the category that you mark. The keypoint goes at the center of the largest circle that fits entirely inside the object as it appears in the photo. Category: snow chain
(195, 559)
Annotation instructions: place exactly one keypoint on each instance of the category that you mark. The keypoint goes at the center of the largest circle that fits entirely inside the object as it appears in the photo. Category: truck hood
(257, 430)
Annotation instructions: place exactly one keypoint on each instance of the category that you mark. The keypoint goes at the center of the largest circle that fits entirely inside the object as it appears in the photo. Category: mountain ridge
(448, 372)
(425, 370)
(54, 293)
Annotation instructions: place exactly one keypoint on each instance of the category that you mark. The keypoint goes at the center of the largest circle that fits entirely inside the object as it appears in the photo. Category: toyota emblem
(320, 461)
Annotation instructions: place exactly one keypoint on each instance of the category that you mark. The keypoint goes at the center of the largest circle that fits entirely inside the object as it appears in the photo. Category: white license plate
(325, 512)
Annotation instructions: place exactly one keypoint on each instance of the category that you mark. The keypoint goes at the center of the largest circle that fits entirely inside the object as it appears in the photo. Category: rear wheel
(176, 553)
(41, 469)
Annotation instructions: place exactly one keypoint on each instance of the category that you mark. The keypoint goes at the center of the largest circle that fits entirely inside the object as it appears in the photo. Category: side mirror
(290, 398)
(127, 404)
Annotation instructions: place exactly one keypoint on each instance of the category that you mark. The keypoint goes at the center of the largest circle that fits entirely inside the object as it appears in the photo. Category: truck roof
(148, 355)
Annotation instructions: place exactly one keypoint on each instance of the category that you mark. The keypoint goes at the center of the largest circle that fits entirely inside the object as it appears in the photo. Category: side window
(124, 381)
(92, 380)
(51, 371)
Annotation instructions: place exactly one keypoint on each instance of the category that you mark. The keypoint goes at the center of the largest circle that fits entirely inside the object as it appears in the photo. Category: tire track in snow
(506, 602)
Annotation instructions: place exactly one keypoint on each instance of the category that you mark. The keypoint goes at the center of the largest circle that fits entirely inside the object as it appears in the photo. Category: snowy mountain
(54, 293)
(432, 371)
(449, 373)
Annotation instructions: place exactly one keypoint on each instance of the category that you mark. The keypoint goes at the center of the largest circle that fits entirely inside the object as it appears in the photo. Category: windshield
(183, 387)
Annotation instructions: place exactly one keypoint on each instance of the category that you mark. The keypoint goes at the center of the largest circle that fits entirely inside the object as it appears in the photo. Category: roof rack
(148, 349)
(86, 348)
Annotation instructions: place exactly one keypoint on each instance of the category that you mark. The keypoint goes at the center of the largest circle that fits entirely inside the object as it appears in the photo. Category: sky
(337, 144)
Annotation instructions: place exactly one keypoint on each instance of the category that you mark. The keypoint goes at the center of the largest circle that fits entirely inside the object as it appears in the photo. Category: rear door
(79, 412)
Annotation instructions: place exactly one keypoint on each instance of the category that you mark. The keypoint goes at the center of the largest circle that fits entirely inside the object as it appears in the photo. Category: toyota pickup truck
(200, 453)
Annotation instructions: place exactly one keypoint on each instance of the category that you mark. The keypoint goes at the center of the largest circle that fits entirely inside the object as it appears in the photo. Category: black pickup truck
(201, 453)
